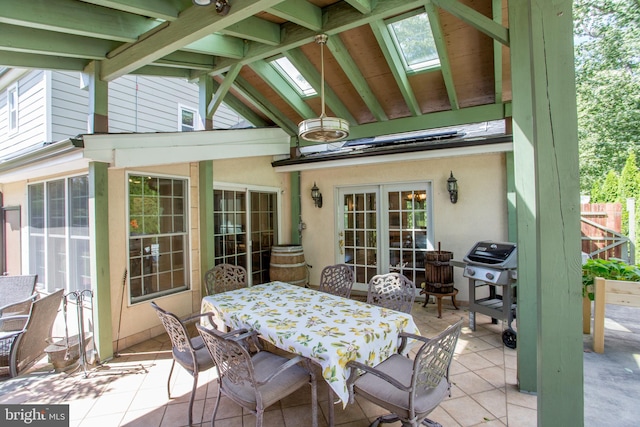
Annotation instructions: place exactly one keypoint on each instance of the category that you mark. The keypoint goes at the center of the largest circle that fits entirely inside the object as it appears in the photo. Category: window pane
(415, 43)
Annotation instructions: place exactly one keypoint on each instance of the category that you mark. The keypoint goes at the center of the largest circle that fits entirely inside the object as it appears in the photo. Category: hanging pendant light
(323, 128)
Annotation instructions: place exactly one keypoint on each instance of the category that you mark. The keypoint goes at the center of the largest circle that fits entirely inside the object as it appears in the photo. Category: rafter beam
(475, 19)
(239, 107)
(356, 78)
(217, 45)
(73, 17)
(222, 90)
(29, 40)
(159, 9)
(41, 62)
(255, 29)
(302, 13)
(362, 6)
(192, 61)
(390, 53)
(443, 55)
(282, 88)
(266, 107)
(497, 51)
(193, 24)
(302, 64)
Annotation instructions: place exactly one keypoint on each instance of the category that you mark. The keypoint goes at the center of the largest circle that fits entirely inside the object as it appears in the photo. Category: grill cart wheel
(509, 338)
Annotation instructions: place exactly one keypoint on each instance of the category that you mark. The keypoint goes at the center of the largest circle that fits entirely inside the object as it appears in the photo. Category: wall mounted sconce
(222, 6)
(452, 188)
(316, 195)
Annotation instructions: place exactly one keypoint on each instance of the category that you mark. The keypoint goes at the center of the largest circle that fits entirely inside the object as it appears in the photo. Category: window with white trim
(158, 236)
(187, 119)
(59, 246)
(12, 103)
(414, 42)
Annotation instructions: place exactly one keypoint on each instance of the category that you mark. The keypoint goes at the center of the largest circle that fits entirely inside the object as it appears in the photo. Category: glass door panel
(359, 232)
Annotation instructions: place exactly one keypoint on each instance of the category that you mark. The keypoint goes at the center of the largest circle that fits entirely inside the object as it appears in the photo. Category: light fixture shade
(202, 2)
(324, 129)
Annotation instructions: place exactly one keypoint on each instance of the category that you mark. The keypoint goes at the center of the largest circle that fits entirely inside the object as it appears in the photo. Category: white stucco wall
(480, 214)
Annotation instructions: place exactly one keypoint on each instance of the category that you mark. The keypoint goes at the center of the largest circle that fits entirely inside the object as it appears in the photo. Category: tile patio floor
(130, 390)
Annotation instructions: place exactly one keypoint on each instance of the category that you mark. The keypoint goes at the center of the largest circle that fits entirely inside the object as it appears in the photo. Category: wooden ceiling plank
(282, 88)
(193, 24)
(497, 51)
(30, 40)
(362, 6)
(477, 20)
(443, 54)
(396, 66)
(302, 13)
(239, 107)
(192, 61)
(73, 17)
(308, 71)
(41, 62)
(358, 81)
(159, 9)
(338, 17)
(266, 107)
(432, 120)
(222, 90)
(217, 45)
(255, 29)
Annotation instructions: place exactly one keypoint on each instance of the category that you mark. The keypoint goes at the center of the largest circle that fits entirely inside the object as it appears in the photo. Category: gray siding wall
(32, 115)
(69, 106)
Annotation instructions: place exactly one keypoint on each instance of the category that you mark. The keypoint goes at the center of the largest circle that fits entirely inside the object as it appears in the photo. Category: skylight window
(293, 76)
(414, 41)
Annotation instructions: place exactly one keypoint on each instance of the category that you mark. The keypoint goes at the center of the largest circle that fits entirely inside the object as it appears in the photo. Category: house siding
(69, 106)
(32, 117)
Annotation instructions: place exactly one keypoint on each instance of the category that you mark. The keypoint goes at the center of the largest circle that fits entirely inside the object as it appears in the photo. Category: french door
(246, 226)
(385, 228)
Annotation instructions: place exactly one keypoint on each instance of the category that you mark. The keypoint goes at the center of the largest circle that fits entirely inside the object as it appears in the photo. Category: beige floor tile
(474, 362)
(495, 401)
(104, 420)
(494, 355)
(521, 416)
(515, 397)
(110, 403)
(470, 383)
(495, 375)
(151, 417)
(472, 345)
(466, 411)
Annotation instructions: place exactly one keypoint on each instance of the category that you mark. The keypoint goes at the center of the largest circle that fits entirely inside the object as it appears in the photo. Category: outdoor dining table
(328, 329)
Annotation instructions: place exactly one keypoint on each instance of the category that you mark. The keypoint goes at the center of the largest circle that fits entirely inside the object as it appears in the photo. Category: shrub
(612, 269)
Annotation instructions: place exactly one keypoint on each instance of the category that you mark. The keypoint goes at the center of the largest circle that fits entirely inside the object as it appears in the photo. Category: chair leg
(431, 423)
(259, 414)
(193, 396)
(169, 379)
(215, 410)
(389, 418)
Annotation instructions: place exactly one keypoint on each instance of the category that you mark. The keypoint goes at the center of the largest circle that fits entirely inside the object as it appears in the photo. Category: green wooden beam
(217, 45)
(152, 70)
(41, 62)
(30, 40)
(302, 13)
(362, 6)
(206, 226)
(181, 59)
(428, 121)
(79, 18)
(255, 29)
(265, 106)
(381, 32)
(302, 64)
(205, 95)
(475, 19)
(282, 88)
(240, 107)
(443, 54)
(222, 90)
(497, 52)
(164, 10)
(356, 78)
(193, 24)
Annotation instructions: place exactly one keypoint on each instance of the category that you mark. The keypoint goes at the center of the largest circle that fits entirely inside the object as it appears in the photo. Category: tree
(607, 54)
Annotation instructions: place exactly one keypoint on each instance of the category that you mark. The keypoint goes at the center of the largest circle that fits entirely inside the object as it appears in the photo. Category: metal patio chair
(409, 389)
(392, 290)
(190, 353)
(225, 277)
(337, 280)
(17, 293)
(256, 381)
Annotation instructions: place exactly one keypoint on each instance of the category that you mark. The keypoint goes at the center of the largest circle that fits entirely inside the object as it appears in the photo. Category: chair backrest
(225, 277)
(434, 358)
(337, 280)
(16, 288)
(392, 290)
(29, 346)
(231, 358)
(180, 339)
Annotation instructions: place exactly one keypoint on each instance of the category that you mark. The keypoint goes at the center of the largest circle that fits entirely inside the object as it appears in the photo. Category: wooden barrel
(438, 271)
(287, 264)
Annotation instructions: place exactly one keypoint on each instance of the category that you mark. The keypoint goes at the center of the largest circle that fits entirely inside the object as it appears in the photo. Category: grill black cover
(496, 254)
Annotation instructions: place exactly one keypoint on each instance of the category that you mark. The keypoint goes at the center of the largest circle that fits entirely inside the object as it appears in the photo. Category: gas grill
(493, 265)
